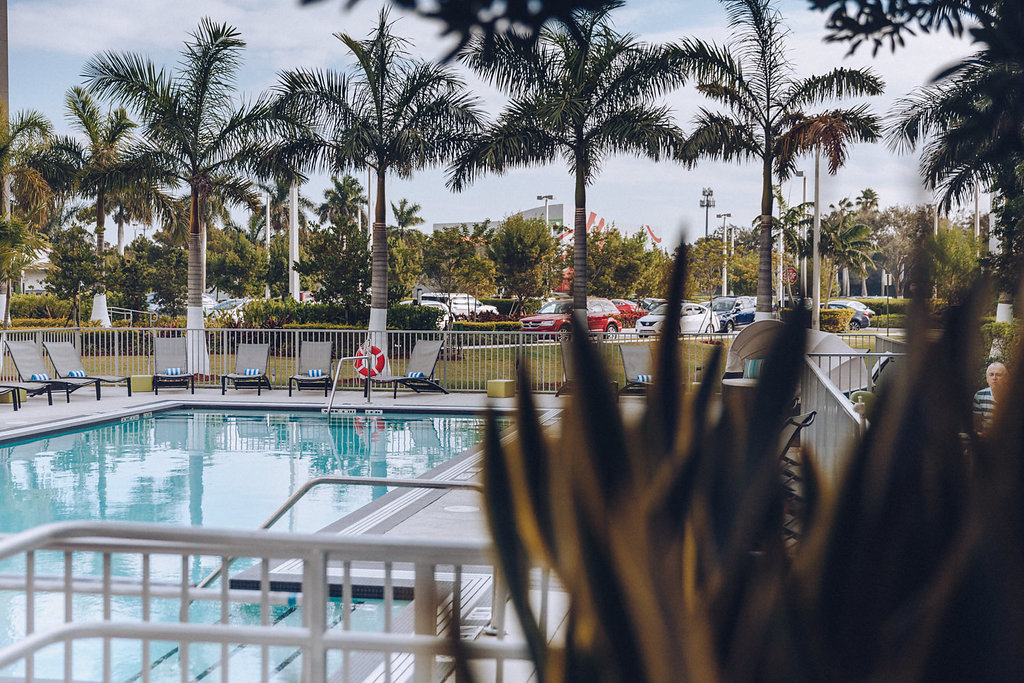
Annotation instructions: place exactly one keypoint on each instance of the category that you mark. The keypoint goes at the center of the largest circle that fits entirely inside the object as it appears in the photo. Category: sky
(51, 40)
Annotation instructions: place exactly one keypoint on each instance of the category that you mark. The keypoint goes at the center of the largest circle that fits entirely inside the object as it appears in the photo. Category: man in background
(985, 400)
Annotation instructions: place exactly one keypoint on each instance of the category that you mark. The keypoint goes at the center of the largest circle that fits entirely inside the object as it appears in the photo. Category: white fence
(467, 361)
(140, 620)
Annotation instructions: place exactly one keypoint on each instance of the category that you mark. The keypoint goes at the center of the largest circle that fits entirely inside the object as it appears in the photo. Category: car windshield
(556, 307)
(660, 309)
(722, 305)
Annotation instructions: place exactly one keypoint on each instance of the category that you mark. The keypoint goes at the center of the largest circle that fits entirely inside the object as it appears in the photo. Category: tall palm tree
(845, 242)
(763, 97)
(20, 245)
(406, 216)
(581, 93)
(391, 114)
(191, 125)
(343, 201)
(280, 208)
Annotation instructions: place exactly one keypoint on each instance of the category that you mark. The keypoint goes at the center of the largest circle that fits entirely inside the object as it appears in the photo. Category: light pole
(803, 236)
(725, 254)
(816, 270)
(707, 203)
(546, 197)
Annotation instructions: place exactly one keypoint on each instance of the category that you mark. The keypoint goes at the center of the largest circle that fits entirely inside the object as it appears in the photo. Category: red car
(555, 317)
(628, 308)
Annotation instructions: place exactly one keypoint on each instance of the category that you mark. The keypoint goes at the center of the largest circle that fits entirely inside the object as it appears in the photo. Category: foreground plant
(667, 534)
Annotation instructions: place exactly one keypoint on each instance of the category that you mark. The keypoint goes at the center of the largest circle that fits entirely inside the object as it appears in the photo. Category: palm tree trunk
(579, 247)
(764, 250)
(379, 274)
(120, 236)
(101, 218)
(99, 300)
(195, 256)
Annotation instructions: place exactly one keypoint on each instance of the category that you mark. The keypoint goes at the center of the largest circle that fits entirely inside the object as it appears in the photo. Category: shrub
(275, 314)
(895, 320)
(832, 319)
(500, 326)
(39, 306)
(414, 318)
(1000, 341)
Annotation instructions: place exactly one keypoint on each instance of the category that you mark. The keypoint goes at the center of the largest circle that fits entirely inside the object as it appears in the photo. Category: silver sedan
(693, 319)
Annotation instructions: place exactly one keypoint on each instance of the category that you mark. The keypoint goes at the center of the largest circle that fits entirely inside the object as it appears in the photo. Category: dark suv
(733, 312)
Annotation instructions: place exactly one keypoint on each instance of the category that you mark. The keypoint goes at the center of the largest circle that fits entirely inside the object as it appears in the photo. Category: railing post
(425, 620)
(314, 600)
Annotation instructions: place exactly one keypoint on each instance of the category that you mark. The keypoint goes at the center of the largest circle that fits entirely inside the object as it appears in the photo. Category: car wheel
(563, 333)
(710, 329)
(611, 329)
(730, 326)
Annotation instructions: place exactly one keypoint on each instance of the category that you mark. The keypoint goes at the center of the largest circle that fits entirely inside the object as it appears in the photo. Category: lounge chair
(569, 371)
(68, 363)
(170, 364)
(636, 363)
(31, 367)
(15, 396)
(315, 360)
(420, 369)
(30, 389)
(251, 361)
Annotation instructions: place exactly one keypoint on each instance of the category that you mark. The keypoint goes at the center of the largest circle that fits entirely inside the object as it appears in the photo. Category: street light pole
(706, 203)
(546, 197)
(816, 270)
(725, 254)
(803, 236)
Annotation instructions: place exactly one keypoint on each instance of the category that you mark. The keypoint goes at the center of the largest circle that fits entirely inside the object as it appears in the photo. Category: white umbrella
(754, 341)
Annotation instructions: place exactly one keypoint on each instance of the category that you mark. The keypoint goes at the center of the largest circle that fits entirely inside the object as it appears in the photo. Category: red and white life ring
(371, 361)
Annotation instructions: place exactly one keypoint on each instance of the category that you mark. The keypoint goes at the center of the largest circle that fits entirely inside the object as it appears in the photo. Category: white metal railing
(837, 424)
(850, 372)
(319, 576)
(467, 360)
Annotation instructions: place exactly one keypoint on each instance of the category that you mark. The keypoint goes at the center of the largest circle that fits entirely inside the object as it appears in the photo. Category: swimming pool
(204, 467)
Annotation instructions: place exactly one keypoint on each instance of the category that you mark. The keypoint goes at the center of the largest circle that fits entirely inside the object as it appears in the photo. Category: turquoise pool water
(210, 468)
(202, 468)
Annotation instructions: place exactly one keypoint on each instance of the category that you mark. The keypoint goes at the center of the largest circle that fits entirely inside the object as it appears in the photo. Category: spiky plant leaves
(512, 552)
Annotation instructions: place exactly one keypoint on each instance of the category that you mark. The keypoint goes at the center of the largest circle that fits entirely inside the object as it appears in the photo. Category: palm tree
(755, 81)
(406, 216)
(343, 201)
(280, 208)
(391, 113)
(582, 92)
(845, 242)
(191, 126)
(20, 245)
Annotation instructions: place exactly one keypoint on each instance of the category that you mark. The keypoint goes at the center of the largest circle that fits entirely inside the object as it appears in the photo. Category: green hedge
(504, 306)
(893, 321)
(275, 314)
(507, 326)
(832, 319)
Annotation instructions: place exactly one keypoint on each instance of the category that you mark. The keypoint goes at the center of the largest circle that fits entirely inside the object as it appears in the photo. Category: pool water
(202, 468)
(209, 468)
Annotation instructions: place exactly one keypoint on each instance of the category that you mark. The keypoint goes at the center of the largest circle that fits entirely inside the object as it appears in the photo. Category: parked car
(627, 308)
(231, 307)
(693, 319)
(459, 304)
(555, 317)
(860, 319)
(856, 305)
(445, 318)
(733, 312)
(649, 303)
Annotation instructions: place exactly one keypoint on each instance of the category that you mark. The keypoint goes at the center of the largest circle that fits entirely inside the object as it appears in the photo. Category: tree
(755, 81)
(845, 243)
(405, 267)
(581, 92)
(406, 216)
(615, 262)
(953, 257)
(451, 262)
(704, 262)
(74, 266)
(191, 124)
(337, 261)
(391, 114)
(520, 250)
(20, 245)
(235, 265)
(130, 275)
(343, 201)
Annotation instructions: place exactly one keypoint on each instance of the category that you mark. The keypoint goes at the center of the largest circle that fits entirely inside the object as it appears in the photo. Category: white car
(443, 321)
(693, 319)
(856, 305)
(460, 305)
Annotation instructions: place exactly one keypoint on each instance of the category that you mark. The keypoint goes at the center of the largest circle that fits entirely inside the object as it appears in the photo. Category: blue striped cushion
(752, 367)
(76, 373)
(316, 373)
(415, 374)
(39, 377)
(253, 372)
(644, 378)
(172, 371)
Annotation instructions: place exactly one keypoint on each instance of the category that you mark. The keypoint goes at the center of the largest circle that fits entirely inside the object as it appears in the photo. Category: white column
(293, 240)
(816, 268)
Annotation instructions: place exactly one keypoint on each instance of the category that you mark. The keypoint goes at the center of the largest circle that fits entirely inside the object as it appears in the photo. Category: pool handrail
(334, 384)
(395, 482)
